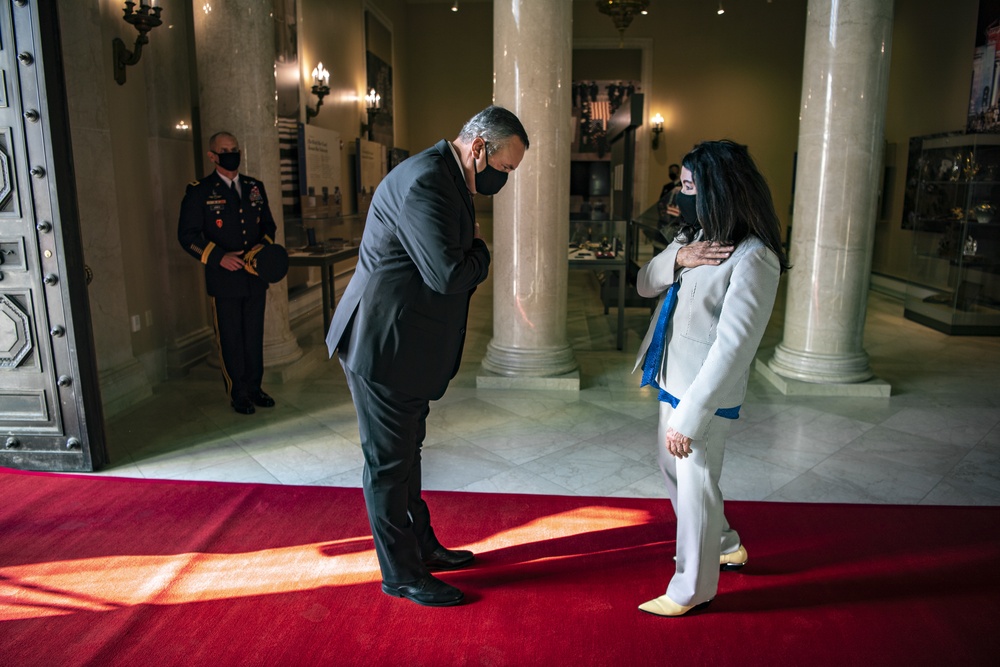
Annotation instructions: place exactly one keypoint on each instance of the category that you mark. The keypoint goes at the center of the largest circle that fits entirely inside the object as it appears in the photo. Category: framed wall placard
(984, 98)
(371, 169)
(320, 170)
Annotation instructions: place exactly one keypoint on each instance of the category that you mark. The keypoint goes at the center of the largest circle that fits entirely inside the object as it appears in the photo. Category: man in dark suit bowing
(224, 218)
(400, 328)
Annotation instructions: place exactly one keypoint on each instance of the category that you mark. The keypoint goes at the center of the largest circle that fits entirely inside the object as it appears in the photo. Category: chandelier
(622, 12)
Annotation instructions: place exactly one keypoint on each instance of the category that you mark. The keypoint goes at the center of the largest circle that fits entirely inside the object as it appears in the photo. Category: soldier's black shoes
(261, 400)
(448, 559)
(242, 405)
(427, 590)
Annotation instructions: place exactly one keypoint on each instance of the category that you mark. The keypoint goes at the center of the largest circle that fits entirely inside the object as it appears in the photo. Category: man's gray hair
(218, 135)
(495, 125)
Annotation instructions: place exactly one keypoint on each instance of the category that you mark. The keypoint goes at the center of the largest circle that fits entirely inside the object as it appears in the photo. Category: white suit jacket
(715, 330)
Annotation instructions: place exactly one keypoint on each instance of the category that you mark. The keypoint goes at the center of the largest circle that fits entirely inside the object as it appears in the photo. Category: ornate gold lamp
(622, 12)
(145, 18)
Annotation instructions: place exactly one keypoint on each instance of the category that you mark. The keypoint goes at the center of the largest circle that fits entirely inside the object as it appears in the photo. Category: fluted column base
(818, 367)
(872, 388)
(552, 369)
(281, 352)
(535, 362)
(297, 368)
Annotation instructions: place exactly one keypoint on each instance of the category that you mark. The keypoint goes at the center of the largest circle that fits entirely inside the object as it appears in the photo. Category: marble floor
(935, 441)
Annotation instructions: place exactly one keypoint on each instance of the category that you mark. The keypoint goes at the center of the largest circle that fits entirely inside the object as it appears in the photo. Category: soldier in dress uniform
(223, 217)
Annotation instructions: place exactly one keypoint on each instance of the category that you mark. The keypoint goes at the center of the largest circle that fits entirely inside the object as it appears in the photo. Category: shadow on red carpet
(104, 571)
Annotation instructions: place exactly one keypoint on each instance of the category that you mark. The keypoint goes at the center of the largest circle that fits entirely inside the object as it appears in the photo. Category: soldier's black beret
(269, 262)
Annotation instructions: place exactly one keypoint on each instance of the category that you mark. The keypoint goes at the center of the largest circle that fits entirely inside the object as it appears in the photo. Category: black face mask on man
(229, 161)
(688, 204)
(489, 180)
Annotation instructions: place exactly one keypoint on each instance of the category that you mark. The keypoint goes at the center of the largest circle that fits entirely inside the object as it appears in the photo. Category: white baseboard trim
(123, 387)
(188, 350)
(889, 286)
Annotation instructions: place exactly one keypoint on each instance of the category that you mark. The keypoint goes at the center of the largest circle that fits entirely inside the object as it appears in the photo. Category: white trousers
(703, 533)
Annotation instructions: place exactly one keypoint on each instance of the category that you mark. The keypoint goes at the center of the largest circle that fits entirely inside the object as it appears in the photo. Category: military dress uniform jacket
(214, 221)
(401, 322)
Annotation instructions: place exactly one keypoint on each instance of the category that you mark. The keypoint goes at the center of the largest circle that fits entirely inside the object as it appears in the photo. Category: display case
(592, 240)
(322, 252)
(953, 208)
(600, 246)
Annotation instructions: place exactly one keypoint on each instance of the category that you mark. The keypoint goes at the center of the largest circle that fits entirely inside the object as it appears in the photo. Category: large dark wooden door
(50, 407)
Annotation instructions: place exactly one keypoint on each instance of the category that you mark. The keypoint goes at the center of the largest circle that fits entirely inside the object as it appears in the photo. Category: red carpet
(101, 571)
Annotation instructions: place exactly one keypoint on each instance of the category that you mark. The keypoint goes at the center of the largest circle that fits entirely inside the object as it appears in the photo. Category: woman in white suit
(716, 284)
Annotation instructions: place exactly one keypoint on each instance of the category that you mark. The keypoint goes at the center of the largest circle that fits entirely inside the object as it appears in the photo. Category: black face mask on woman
(229, 161)
(489, 180)
(688, 204)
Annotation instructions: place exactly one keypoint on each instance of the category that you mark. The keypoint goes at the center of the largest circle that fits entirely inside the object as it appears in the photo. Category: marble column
(234, 43)
(531, 214)
(842, 120)
(92, 115)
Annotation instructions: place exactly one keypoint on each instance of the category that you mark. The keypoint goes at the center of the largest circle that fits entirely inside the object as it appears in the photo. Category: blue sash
(654, 355)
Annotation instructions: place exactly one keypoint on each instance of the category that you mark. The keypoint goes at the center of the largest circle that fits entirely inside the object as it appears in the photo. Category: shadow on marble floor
(936, 440)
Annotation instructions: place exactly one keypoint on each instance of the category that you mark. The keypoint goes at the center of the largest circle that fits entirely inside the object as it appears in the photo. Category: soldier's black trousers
(239, 325)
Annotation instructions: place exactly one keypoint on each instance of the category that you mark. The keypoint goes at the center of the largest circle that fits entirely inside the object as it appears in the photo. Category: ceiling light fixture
(721, 10)
(622, 12)
(454, 6)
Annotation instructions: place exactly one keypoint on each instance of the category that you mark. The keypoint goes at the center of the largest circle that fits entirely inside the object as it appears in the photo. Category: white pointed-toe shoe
(733, 561)
(664, 606)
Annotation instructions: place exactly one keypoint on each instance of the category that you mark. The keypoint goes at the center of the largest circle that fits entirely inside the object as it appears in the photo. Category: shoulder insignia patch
(195, 182)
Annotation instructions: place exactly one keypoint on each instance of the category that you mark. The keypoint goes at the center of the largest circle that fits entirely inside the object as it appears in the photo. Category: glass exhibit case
(953, 207)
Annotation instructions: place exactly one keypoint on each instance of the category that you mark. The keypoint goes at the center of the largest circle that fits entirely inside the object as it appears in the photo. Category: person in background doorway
(716, 284)
(666, 206)
(674, 173)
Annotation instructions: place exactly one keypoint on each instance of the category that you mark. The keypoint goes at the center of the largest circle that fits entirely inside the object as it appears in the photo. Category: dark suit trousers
(392, 426)
(239, 323)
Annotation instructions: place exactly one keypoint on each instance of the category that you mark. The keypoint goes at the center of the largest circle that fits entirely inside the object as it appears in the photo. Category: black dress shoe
(427, 591)
(448, 559)
(261, 400)
(243, 405)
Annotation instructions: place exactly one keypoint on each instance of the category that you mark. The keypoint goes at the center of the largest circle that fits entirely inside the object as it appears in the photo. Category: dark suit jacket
(215, 221)
(402, 319)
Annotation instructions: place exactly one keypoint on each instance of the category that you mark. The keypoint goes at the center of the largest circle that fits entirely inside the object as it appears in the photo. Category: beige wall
(735, 76)
(332, 32)
(109, 130)
(451, 71)
(451, 77)
(132, 165)
(929, 82)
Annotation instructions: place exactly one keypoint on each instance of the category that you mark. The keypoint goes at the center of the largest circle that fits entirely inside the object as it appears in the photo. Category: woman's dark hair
(733, 198)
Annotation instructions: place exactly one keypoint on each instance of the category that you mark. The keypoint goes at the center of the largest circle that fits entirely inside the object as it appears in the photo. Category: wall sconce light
(657, 128)
(454, 6)
(144, 19)
(721, 10)
(320, 88)
(373, 103)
